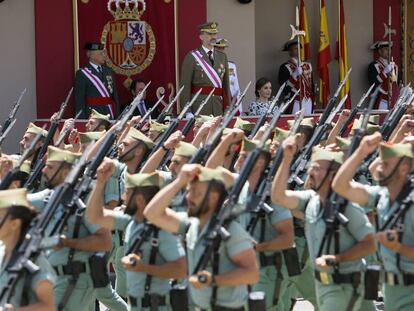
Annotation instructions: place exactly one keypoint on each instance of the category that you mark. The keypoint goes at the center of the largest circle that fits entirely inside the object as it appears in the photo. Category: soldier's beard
(194, 211)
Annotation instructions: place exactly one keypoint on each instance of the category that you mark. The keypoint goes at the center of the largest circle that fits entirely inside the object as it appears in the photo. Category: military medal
(110, 84)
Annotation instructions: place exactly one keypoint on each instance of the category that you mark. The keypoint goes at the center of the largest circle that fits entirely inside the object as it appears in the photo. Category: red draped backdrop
(55, 42)
(55, 65)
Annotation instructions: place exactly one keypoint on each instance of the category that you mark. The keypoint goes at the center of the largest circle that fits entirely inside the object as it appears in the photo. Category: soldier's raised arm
(280, 195)
(218, 156)
(157, 211)
(152, 164)
(343, 183)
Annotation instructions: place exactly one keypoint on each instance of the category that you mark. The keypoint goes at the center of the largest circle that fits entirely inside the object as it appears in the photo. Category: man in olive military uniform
(395, 224)
(206, 68)
(337, 258)
(147, 274)
(226, 279)
(95, 84)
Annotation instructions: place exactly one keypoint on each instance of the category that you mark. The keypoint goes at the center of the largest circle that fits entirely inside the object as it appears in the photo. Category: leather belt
(338, 278)
(405, 279)
(76, 267)
(147, 300)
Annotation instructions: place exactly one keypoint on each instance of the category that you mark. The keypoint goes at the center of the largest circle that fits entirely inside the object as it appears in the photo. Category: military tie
(100, 71)
(142, 108)
(210, 56)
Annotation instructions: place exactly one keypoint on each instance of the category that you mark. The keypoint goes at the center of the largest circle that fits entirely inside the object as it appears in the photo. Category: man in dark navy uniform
(95, 84)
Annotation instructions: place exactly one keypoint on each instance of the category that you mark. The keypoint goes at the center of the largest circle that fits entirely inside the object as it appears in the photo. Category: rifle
(388, 127)
(355, 111)
(174, 124)
(386, 130)
(12, 114)
(30, 248)
(257, 203)
(33, 181)
(334, 210)
(262, 119)
(204, 152)
(144, 236)
(405, 92)
(331, 103)
(186, 128)
(217, 229)
(299, 166)
(81, 189)
(165, 111)
(148, 114)
(190, 122)
(6, 132)
(66, 132)
(114, 151)
(11, 176)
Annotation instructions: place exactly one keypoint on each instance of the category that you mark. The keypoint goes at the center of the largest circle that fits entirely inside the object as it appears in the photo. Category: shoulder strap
(153, 257)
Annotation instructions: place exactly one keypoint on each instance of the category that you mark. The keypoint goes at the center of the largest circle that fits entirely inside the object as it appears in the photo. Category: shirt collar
(207, 50)
(94, 66)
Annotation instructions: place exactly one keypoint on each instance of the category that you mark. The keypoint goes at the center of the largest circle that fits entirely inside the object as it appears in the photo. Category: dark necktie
(210, 56)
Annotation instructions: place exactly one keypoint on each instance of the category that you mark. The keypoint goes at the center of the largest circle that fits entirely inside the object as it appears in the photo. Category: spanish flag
(305, 53)
(324, 56)
(342, 54)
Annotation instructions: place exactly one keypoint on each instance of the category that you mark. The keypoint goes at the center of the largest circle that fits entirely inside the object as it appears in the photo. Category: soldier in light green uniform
(194, 77)
(156, 129)
(301, 284)
(71, 260)
(343, 145)
(338, 287)
(148, 279)
(395, 236)
(98, 122)
(183, 152)
(236, 265)
(32, 290)
(272, 232)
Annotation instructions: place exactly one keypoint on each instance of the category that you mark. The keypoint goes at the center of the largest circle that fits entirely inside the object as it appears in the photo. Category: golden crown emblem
(126, 9)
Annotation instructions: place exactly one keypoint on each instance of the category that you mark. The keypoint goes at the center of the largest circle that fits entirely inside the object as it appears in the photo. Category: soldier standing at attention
(382, 72)
(95, 84)
(206, 67)
(297, 77)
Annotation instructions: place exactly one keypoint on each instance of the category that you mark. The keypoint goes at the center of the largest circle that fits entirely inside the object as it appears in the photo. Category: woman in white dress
(263, 92)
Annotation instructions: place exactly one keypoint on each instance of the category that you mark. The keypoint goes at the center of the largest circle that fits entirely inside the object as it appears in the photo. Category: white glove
(298, 71)
(389, 68)
(189, 115)
(69, 124)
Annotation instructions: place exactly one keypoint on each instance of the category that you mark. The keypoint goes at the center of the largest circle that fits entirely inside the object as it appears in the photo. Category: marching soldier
(271, 233)
(95, 84)
(395, 223)
(297, 77)
(382, 72)
(160, 258)
(72, 257)
(234, 265)
(338, 262)
(206, 68)
(98, 122)
(32, 291)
